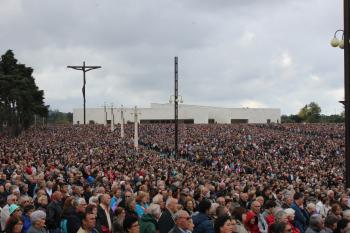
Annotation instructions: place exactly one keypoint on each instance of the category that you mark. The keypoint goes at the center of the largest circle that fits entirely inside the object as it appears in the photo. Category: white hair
(179, 214)
(93, 200)
(157, 199)
(289, 211)
(311, 206)
(154, 210)
(168, 201)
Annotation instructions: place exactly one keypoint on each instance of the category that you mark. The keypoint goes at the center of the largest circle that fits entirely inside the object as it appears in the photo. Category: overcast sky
(232, 53)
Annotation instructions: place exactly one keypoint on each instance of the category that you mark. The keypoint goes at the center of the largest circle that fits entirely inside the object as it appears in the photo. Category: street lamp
(176, 106)
(344, 44)
(172, 99)
(335, 42)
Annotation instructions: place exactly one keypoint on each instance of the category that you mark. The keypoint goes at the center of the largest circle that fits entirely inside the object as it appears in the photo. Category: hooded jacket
(148, 224)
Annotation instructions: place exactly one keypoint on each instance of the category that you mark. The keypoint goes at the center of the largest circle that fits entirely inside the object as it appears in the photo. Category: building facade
(192, 114)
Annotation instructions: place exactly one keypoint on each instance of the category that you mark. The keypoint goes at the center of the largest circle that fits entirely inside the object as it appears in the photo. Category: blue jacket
(301, 218)
(202, 223)
(26, 223)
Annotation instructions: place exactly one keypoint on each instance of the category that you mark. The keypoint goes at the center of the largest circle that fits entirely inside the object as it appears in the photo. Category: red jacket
(251, 222)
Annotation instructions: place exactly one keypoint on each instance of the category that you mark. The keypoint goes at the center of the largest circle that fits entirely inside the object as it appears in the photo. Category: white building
(164, 113)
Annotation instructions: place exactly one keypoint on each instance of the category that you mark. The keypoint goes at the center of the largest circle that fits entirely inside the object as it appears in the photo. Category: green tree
(20, 97)
(57, 117)
(310, 113)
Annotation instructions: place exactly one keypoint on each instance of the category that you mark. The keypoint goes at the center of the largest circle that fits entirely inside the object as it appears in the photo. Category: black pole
(347, 91)
(176, 110)
(85, 69)
(84, 83)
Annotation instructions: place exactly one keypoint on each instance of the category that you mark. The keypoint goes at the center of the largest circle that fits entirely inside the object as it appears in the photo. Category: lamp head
(335, 42)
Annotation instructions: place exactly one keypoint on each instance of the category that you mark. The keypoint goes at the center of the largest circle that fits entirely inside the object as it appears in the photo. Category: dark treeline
(21, 101)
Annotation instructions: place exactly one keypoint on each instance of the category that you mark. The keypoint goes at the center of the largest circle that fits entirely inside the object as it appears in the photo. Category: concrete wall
(200, 114)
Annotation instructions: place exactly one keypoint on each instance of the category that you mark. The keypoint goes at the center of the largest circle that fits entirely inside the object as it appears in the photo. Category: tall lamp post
(176, 108)
(85, 69)
(344, 44)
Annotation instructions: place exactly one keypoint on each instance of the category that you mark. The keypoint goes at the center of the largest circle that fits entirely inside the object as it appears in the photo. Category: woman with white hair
(38, 222)
(290, 213)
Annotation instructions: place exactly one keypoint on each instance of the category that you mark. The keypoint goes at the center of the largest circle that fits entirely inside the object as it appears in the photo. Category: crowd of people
(226, 178)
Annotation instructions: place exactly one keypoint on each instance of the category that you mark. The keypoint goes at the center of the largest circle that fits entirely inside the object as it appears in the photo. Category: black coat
(166, 222)
(74, 222)
(53, 215)
(101, 220)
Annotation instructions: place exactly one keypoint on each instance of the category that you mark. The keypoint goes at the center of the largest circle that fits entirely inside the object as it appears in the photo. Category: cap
(13, 208)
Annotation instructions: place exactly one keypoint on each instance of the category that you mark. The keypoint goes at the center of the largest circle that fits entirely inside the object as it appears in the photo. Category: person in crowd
(42, 203)
(281, 227)
(322, 206)
(166, 221)
(149, 221)
(281, 216)
(316, 224)
(239, 214)
(74, 220)
(27, 212)
(116, 199)
(201, 220)
(225, 224)
(5, 212)
(54, 211)
(14, 225)
(336, 211)
(346, 214)
(142, 200)
(255, 222)
(189, 206)
(38, 219)
(88, 224)
(130, 208)
(290, 218)
(270, 205)
(330, 223)
(119, 216)
(131, 225)
(182, 222)
(104, 214)
(301, 217)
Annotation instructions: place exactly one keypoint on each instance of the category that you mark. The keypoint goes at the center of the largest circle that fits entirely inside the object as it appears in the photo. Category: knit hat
(37, 215)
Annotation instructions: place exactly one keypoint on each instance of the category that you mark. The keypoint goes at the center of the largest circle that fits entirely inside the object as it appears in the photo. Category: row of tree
(311, 113)
(21, 101)
(57, 117)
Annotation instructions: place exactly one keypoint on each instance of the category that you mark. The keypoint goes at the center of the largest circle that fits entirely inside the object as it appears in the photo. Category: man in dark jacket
(74, 221)
(104, 214)
(166, 221)
(301, 217)
(202, 222)
(148, 222)
(53, 213)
